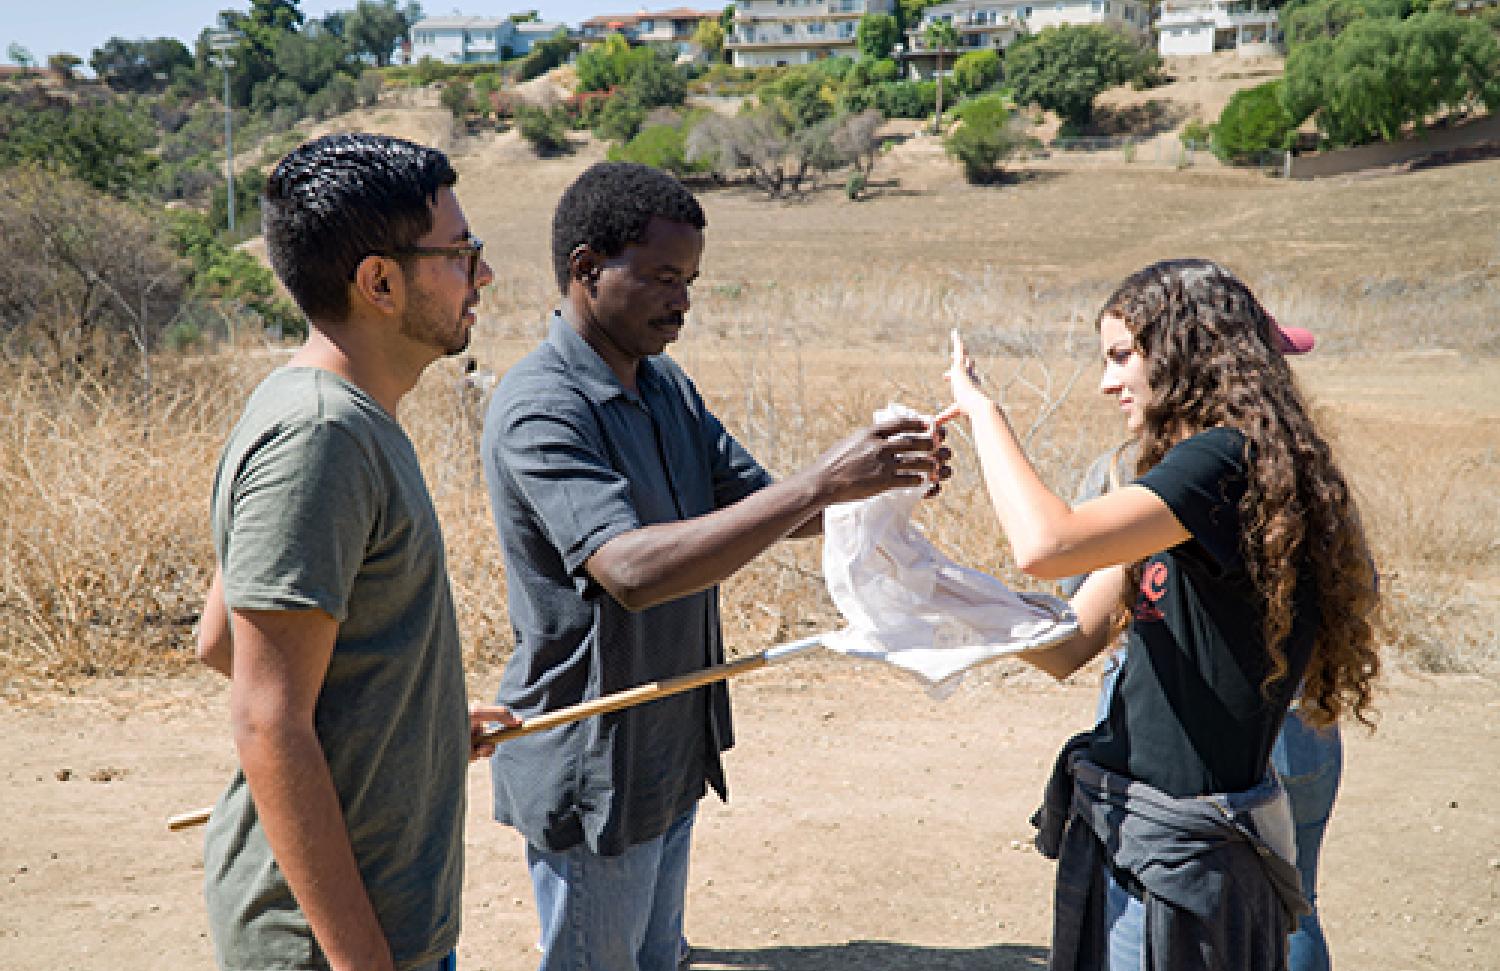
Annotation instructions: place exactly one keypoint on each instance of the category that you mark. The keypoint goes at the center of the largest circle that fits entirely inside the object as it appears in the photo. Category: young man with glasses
(339, 843)
(622, 503)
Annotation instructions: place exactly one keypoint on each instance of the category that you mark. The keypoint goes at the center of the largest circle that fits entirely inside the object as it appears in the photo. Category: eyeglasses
(472, 249)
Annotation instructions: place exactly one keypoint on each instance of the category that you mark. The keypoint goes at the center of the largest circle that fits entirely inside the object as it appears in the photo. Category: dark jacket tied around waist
(1215, 872)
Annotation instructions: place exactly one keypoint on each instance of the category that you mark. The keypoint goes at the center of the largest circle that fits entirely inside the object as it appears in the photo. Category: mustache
(675, 320)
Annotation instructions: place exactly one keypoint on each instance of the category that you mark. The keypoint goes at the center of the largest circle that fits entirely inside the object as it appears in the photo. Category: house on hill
(776, 33)
(1247, 27)
(674, 28)
(996, 24)
(476, 40)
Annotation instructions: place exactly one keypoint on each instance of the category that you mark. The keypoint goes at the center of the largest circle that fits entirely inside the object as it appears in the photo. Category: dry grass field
(908, 819)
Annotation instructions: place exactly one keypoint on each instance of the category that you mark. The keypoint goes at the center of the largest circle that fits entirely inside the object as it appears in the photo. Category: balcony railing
(826, 39)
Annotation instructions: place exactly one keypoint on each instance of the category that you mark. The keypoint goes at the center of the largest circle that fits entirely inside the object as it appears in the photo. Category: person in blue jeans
(1308, 759)
(1235, 563)
(622, 502)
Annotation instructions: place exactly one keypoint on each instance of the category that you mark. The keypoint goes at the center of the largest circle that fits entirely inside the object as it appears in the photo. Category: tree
(456, 97)
(709, 38)
(800, 95)
(1064, 68)
(104, 142)
(909, 12)
(987, 133)
(877, 35)
(1253, 122)
(140, 65)
(375, 27)
(662, 146)
(975, 71)
(604, 65)
(63, 65)
(86, 276)
(543, 130)
(1309, 20)
(254, 55)
(655, 80)
(1382, 74)
(21, 57)
(857, 140)
(778, 154)
(308, 58)
(941, 36)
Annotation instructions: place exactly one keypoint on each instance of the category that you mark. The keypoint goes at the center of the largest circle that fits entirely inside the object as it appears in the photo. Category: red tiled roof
(625, 19)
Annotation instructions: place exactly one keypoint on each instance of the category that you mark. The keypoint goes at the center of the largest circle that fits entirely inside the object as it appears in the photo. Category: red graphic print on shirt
(1153, 588)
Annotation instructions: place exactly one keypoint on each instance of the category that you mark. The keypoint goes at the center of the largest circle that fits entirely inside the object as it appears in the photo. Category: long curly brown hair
(1213, 359)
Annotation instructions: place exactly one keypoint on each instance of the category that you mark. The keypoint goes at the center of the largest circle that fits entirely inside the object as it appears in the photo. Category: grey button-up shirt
(572, 460)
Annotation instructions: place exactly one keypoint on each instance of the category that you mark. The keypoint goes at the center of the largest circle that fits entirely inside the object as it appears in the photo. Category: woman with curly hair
(1236, 565)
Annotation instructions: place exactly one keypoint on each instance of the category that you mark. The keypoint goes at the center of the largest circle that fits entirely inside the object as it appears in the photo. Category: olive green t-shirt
(319, 502)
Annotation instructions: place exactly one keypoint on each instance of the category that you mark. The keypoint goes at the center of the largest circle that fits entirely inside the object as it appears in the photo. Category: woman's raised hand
(963, 378)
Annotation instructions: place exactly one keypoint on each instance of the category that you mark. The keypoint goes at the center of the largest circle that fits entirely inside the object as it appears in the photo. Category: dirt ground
(869, 827)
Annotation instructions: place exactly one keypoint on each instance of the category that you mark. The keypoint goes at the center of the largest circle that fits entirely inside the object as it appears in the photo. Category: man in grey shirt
(339, 843)
(621, 503)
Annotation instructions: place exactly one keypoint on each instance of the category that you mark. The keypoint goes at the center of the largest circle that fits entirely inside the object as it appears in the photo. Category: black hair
(609, 206)
(335, 200)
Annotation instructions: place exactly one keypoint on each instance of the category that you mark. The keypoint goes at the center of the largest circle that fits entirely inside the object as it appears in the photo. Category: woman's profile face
(1124, 371)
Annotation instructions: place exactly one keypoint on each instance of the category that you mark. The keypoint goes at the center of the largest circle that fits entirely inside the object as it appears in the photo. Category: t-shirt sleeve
(554, 452)
(303, 508)
(1202, 480)
(736, 474)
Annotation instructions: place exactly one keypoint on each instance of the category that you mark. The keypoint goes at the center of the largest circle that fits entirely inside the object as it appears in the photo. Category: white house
(475, 40)
(995, 25)
(527, 34)
(672, 28)
(768, 33)
(1205, 26)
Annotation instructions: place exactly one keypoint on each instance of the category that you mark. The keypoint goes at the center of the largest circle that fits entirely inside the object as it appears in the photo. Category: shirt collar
(584, 364)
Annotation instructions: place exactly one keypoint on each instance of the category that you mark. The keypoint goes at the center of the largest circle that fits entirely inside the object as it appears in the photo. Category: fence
(1160, 151)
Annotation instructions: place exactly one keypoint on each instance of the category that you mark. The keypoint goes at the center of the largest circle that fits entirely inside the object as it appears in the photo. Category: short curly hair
(609, 206)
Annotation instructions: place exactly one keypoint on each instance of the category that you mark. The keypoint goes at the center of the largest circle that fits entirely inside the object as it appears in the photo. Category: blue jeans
(614, 913)
(1124, 918)
(1309, 762)
(446, 963)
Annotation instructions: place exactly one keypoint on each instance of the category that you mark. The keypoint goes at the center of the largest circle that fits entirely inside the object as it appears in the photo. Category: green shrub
(904, 99)
(663, 146)
(1253, 122)
(975, 71)
(1195, 134)
(543, 130)
(985, 136)
(618, 118)
(457, 97)
(218, 272)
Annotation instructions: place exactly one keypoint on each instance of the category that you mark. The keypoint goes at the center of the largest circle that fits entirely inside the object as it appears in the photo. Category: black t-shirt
(1188, 714)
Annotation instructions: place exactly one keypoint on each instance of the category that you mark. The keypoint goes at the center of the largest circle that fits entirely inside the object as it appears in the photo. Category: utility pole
(222, 42)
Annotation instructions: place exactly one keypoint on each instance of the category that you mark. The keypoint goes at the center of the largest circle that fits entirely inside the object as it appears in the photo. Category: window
(645, 27)
(816, 27)
(787, 30)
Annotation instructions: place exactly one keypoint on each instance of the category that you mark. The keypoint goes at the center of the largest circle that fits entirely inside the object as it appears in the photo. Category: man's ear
(584, 264)
(379, 283)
